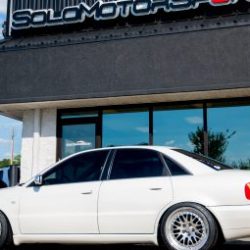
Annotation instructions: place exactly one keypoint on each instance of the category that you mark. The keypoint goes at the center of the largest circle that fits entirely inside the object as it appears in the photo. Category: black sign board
(26, 14)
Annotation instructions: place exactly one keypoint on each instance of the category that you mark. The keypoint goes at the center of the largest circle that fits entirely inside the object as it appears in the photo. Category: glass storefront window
(174, 128)
(125, 128)
(78, 137)
(229, 129)
(227, 138)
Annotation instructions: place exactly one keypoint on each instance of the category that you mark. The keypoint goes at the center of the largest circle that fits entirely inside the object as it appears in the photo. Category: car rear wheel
(5, 233)
(188, 227)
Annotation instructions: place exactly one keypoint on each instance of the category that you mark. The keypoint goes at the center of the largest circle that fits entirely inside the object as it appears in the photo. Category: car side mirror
(38, 180)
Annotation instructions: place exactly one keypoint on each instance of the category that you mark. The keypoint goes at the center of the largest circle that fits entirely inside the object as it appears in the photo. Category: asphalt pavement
(230, 246)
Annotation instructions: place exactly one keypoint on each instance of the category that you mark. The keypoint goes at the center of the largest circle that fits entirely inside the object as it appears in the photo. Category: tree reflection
(217, 142)
(245, 165)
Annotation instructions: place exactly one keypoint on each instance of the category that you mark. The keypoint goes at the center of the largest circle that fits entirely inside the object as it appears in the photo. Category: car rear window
(216, 165)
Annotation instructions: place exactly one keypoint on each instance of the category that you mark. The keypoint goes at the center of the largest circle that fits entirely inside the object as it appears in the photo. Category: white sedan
(153, 195)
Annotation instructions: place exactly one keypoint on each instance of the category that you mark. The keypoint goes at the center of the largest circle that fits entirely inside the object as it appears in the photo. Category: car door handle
(155, 189)
(87, 192)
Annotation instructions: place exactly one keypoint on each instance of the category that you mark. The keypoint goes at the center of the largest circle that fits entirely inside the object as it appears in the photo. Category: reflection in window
(77, 137)
(173, 128)
(137, 163)
(230, 125)
(125, 128)
(81, 168)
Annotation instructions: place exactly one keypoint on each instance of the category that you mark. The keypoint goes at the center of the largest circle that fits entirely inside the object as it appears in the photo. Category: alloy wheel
(187, 229)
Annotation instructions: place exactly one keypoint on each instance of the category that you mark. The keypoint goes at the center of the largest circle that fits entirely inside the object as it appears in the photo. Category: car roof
(132, 147)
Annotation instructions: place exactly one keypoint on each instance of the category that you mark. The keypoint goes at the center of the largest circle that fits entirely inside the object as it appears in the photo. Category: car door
(138, 188)
(66, 203)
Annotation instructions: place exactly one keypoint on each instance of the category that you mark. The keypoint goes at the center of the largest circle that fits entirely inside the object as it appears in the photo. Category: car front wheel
(5, 233)
(188, 226)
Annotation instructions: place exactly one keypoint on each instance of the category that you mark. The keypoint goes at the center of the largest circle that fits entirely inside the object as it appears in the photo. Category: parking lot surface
(231, 246)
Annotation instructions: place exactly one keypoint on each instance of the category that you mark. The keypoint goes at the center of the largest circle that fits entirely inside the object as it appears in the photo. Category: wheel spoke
(188, 230)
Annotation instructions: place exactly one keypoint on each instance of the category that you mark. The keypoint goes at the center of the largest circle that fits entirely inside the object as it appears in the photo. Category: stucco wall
(38, 142)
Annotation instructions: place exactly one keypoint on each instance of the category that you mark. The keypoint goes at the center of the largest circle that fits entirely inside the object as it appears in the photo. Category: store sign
(27, 18)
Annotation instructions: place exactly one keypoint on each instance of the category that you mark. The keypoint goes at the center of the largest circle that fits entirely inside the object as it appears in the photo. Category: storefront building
(83, 74)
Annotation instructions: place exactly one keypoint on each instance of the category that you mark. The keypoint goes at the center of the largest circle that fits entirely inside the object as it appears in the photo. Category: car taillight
(221, 1)
(247, 191)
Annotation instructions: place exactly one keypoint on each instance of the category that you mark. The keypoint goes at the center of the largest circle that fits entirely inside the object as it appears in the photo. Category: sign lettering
(24, 19)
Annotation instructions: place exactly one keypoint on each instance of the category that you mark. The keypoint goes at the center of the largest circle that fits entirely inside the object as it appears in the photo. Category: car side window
(174, 168)
(137, 163)
(81, 168)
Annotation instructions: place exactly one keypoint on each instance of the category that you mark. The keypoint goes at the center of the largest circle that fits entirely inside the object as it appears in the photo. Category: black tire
(5, 233)
(188, 226)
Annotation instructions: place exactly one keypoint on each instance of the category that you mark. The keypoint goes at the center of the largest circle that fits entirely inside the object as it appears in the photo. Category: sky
(3, 4)
(7, 125)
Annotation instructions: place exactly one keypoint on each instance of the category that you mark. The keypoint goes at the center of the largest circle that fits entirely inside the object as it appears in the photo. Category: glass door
(77, 138)
(78, 132)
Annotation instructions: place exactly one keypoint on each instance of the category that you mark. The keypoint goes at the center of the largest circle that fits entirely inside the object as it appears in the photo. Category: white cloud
(78, 143)
(10, 126)
(3, 9)
(142, 129)
(3, 6)
(4, 141)
(170, 142)
(7, 155)
(194, 120)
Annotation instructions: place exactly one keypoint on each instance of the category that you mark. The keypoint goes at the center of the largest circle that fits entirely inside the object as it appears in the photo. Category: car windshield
(216, 165)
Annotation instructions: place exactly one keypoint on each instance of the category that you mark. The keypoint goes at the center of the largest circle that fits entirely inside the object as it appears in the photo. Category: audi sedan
(154, 195)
